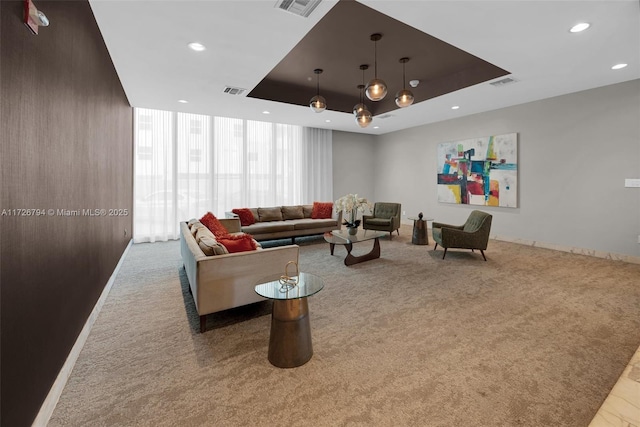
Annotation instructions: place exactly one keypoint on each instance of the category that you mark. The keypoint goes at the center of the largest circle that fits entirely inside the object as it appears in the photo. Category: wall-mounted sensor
(414, 83)
(42, 20)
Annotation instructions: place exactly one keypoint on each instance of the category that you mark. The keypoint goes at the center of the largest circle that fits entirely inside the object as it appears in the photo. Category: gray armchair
(473, 234)
(386, 217)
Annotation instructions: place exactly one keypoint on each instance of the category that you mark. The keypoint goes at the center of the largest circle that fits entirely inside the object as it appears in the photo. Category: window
(145, 153)
(145, 122)
(195, 155)
(188, 164)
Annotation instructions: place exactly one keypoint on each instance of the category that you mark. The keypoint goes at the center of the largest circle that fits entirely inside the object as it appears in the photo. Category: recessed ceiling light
(580, 27)
(197, 46)
(455, 107)
(327, 121)
(266, 112)
(183, 101)
(376, 127)
(618, 66)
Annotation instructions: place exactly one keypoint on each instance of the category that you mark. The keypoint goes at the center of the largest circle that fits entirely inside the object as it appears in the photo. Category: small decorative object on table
(420, 215)
(351, 204)
(288, 282)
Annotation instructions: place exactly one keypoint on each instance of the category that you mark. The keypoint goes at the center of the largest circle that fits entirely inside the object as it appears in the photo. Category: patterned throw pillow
(322, 210)
(245, 215)
(238, 243)
(213, 224)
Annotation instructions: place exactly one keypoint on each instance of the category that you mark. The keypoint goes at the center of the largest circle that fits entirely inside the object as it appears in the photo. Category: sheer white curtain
(154, 210)
(187, 164)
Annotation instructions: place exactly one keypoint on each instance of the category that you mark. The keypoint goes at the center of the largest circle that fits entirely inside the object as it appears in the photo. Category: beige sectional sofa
(227, 280)
(281, 222)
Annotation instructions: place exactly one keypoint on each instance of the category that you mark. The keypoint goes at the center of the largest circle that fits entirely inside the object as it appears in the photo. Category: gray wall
(65, 143)
(574, 153)
(353, 159)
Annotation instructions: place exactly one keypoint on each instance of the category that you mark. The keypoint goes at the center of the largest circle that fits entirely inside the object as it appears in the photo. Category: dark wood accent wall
(66, 144)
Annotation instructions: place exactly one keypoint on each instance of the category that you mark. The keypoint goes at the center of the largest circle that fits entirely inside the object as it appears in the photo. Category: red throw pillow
(238, 243)
(245, 215)
(322, 210)
(212, 223)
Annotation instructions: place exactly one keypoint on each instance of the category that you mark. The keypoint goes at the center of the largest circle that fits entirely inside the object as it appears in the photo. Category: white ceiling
(148, 41)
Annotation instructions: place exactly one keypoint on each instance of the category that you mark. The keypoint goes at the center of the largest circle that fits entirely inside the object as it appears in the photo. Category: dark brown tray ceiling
(340, 42)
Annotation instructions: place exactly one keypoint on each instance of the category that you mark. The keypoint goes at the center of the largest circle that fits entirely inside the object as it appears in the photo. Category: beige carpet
(532, 337)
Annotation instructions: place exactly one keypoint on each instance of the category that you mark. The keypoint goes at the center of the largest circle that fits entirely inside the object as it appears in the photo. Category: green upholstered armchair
(386, 217)
(473, 234)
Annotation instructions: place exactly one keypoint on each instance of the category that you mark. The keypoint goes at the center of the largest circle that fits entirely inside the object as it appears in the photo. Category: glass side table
(420, 232)
(290, 336)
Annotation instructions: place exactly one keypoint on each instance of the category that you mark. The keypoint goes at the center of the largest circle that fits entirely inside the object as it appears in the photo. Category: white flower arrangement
(351, 204)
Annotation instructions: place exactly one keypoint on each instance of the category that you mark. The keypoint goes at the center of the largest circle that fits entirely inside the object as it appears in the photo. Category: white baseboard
(49, 404)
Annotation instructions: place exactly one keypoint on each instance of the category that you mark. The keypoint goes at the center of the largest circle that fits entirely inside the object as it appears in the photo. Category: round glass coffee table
(342, 237)
(290, 336)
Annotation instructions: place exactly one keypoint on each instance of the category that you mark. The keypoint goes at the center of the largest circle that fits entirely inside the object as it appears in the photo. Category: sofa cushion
(245, 215)
(195, 227)
(474, 222)
(212, 223)
(436, 233)
(322, 210)
(210, 246)
(307, 210)
(192, 221)
(270, 214)
(310, 224)
(203, 232)
(269, 227)
(386, 210)
(379, 221)
(238, 243)
(292, 212)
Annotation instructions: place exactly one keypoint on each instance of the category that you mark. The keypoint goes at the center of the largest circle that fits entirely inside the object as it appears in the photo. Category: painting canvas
(479, 171)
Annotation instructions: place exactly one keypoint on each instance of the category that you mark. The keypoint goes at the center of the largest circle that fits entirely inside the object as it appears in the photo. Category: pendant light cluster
(375, 90)
(360, 110)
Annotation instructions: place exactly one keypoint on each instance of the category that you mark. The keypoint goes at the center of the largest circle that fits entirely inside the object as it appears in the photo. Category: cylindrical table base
(290, 337)
(420, 236)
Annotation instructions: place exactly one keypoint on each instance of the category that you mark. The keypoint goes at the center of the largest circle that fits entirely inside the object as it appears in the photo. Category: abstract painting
(479, 171)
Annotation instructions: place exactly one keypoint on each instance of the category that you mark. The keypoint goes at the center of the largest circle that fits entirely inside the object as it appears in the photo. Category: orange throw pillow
(214, 225)
(322, 210)
(245, 215)
(238, 243)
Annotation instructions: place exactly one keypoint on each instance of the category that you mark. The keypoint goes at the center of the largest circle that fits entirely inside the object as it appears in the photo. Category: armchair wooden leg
(482, 252)
(391, 235)
(434, 248)
(445, 253)
(203, 323)
(398, 231)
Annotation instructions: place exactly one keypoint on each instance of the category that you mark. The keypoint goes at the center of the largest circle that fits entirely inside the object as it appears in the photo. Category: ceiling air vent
(384, 116)
(298, 7)
(233, 90)
(503, 82)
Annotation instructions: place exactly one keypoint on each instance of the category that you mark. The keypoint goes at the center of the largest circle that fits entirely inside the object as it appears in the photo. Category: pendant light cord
(362, 89)
(375, 58)
(404, 77)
